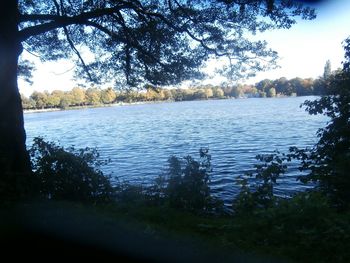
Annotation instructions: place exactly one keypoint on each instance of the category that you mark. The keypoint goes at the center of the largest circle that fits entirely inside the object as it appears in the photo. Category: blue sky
(303, 50)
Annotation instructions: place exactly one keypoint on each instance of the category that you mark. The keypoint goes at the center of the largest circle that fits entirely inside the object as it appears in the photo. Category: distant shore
(95, 106)
(135, 103)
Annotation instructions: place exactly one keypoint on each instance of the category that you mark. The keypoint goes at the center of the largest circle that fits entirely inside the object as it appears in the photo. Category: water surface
(138, 139)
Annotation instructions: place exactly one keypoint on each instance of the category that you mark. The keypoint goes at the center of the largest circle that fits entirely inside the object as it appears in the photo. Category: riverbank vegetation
(96, 97)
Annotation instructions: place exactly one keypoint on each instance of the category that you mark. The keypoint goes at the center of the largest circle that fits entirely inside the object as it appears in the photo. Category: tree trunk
(14, 159)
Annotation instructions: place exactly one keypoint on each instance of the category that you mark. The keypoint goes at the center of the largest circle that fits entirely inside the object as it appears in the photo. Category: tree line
(95, 96)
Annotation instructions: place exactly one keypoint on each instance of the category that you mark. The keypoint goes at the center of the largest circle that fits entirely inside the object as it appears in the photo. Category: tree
(25, 69)
(108, 95)
(93, 96)
(264, 85)
(281, 85)
(78, 95)
(199, 94)
(152, 93)
(54, 99)
(167, 94)
(187, 182)
(327, 69)
(308, 87)
(208, 92)
(271, 92)
(58, 96)
(328, 162)
(218, 92)
(177, 94)
(295, 86)
(188, 94)
(27, 103)
(40, 99)
(69, 174)
(320, 86)
(134, 41)
(236, 91)
(67, 100)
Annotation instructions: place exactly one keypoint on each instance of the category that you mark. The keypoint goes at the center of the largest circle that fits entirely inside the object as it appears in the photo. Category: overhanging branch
(76, 51)
(59, 21)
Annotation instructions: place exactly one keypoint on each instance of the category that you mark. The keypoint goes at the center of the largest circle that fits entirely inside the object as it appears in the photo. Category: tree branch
(184, 30)
(76, 51)
(132, 41)
(37, 17)
(59, 21)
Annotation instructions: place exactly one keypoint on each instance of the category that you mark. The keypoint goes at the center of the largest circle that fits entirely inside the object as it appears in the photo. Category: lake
(138, 139)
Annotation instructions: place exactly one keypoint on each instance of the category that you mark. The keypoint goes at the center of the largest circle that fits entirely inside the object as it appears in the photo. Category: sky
(305, 48)
(303, 51)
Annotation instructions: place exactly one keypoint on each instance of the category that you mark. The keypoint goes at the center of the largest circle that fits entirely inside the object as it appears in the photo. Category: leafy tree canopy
(157, 42)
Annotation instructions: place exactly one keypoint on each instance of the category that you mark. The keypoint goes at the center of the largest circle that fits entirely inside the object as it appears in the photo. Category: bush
(304, 228)
(185, 184)
(259, 194)
(69, 174)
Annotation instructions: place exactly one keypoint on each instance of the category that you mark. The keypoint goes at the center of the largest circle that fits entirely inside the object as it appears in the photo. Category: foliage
(133, 195)
(25, 70)
(185, 184)
(304, 228)
(328, 162)
(271, 93)
(95, 96)
(258, 193)
(69, 174)
(285, 87)
(40, 99)
(78, 96)
(217, 92)
(327, 69)
(155, 42)
(27, 103)
(108, 96)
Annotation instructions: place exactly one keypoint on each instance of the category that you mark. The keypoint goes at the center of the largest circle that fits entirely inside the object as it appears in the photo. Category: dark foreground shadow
(60, 232)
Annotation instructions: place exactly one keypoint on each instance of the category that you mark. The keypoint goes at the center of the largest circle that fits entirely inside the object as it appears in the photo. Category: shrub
(259, 194)
(304, 228)
(185, 184)
(69, 174)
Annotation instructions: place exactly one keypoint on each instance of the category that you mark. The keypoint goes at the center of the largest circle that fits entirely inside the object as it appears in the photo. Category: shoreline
(118, 104)
(95, 106)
